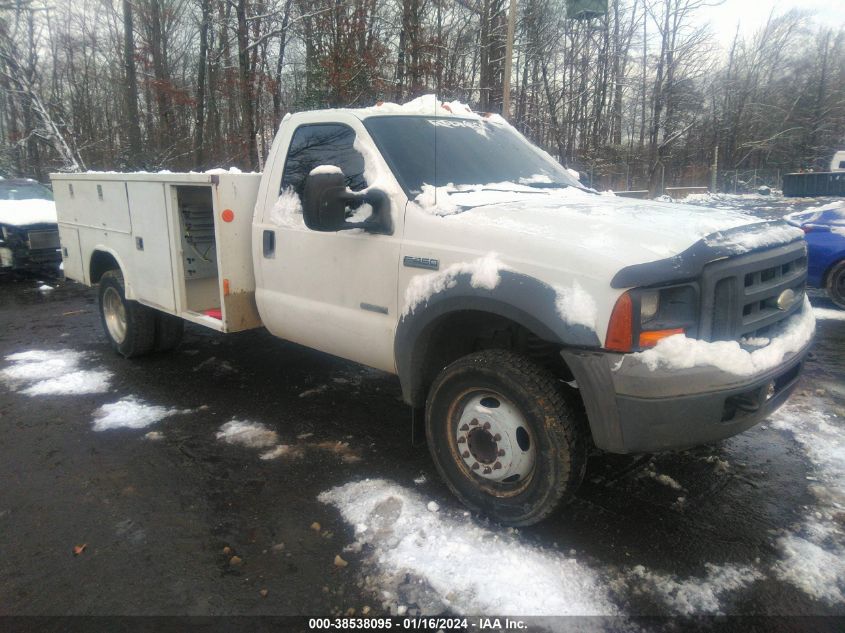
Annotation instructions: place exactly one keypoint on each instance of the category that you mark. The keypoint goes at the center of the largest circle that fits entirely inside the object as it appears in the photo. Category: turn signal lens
(620, 330)
(649, 339)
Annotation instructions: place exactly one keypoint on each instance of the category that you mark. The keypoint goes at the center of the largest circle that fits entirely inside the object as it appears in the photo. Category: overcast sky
(752, 14)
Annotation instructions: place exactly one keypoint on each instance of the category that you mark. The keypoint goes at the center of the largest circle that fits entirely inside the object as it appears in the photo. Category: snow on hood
(578, 224)
(27, 212)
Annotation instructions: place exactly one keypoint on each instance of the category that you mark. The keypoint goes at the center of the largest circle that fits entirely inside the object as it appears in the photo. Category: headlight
(643, 316)
(649, 305)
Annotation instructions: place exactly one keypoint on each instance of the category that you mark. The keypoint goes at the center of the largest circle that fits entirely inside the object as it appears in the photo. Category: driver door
(335, 292)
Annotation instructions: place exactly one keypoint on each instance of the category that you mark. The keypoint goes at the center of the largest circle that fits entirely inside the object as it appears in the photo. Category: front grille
(39, 240)
(740, 295)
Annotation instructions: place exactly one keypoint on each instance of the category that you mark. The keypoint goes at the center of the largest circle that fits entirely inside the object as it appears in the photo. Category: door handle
(269, 244)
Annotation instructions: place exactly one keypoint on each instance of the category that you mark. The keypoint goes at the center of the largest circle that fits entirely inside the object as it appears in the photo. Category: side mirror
(326, 199)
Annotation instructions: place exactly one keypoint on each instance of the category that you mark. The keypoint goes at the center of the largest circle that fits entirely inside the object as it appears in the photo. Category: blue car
(825, 230)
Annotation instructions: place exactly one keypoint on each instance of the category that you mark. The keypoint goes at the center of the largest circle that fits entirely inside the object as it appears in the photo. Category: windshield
(24, 191)
(439, 151)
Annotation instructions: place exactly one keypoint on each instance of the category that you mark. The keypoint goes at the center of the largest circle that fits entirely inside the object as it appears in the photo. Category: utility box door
(152, 264)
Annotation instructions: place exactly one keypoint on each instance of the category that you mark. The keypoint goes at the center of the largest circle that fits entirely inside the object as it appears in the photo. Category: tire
(836, 284)
(168, 332)
(503, 437)
(129, 326)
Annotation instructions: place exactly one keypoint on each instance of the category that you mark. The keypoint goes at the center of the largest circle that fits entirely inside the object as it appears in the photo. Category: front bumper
(632, 409)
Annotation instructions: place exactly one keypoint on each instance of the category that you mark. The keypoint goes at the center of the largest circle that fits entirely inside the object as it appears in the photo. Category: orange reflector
(228, 215)
(620, 330)
(649, 339)
(225, 287)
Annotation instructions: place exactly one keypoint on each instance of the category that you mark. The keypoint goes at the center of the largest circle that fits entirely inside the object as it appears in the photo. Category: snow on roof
(26, 212)
(428, 105)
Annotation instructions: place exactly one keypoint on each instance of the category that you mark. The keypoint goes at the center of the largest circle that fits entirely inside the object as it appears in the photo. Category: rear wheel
(504, 438)
(129, 326)
(836, 284)
(169, 330)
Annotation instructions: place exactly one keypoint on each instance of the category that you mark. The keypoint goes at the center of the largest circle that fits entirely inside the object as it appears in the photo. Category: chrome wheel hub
(114, 313)
(493, 439)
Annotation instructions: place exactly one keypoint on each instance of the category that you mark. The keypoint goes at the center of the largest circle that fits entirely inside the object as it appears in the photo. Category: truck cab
(530, 320)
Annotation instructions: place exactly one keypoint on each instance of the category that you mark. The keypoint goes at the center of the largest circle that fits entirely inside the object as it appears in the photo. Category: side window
(842, 164)
(323, 144)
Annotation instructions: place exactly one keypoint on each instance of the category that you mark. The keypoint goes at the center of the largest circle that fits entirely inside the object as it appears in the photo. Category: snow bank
(287, 211)
(27, 212)
(249, 434)
(130, 413)
(453, 563)
(680, 352)
(43, 372)
(576, 306)
(695, 595)
(325, 169)
(484, 273)
(813, 554)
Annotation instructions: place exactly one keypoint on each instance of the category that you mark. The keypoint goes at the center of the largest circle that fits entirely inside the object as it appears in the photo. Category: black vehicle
(29, 234)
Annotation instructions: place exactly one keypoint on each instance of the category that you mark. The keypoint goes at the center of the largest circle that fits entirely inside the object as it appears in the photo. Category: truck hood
(622, 231)
(24, 213)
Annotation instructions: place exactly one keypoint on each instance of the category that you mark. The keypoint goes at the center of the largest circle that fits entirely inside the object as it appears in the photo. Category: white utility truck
(533, 320)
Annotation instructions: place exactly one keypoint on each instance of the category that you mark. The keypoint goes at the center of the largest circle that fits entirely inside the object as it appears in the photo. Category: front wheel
(504, 438)
(836, 284)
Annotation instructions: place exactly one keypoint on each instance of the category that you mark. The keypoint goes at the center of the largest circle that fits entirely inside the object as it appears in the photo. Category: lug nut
(462, 440)
(465, 454)
(473, 422)
(497, 466)
(487, 471)
(475, 466)
(501, 452)
(465, 428)
(486, 426)
(497, 438)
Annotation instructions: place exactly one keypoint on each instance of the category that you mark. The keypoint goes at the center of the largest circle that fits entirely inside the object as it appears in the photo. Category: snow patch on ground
(828, 313)
(680, 352)
(130, 413)
(27, 212)
(287, 211)
(695, 595)
(421, 557)
(814, 552)
(249, 434)
(43, 372)
(484, 273)
(258, 436)
(576, 306)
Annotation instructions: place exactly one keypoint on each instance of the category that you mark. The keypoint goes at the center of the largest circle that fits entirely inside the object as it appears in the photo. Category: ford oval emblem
(786, 299)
